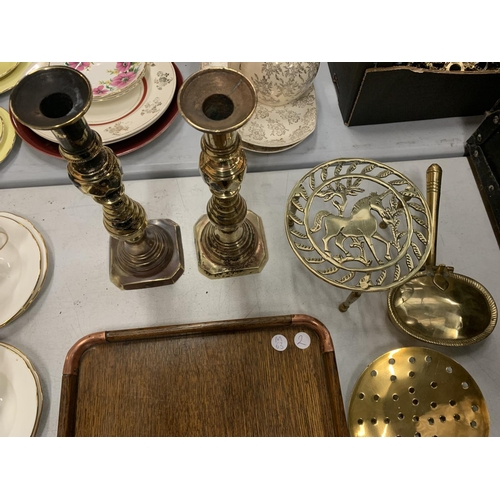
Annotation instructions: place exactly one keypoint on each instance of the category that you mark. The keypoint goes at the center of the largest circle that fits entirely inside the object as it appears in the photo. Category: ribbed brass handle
(433, 181)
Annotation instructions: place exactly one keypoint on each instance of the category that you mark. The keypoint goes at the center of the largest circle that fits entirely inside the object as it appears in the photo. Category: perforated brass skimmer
(230, 239)
(414, 391)
(142, 253)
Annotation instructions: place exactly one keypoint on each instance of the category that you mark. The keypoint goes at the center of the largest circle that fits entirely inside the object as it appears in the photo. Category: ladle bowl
(438, 305)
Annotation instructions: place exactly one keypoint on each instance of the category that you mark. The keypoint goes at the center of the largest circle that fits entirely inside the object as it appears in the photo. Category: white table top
(175, 153)
(79, 299)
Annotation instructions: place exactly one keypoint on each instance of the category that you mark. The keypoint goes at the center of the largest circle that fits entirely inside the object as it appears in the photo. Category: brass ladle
(437, 305)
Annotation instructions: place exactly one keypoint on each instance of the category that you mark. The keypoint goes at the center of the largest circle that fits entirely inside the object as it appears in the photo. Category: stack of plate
(273, 129)
(21, 394)
(23, 266)
(127, 113)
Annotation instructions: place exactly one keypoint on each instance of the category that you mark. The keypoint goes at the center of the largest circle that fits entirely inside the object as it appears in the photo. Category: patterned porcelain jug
(279, 83)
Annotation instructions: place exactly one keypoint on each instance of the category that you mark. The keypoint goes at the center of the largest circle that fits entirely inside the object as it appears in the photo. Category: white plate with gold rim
(117, 119)
(20, 265)
(21, 396)
(9, 81)
(280, 126)
(44, 259)
(7, 67)
(8, 136)
(108, 79)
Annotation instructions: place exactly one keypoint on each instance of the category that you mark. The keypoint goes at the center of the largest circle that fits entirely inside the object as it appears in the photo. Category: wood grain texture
(213, 379)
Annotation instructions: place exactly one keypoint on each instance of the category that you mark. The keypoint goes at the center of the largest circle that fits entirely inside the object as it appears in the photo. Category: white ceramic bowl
(279, 83)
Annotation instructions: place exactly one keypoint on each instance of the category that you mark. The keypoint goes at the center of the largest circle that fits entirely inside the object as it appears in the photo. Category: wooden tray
(205, 379)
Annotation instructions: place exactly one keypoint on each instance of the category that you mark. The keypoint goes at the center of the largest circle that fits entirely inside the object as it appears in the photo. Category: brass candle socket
(143, 253)
(230, 239)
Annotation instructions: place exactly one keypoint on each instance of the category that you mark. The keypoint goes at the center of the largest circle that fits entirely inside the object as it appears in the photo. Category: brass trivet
(359, 225)
(414, 391)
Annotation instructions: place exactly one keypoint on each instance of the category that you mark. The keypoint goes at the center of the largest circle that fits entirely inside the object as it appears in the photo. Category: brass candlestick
(142, 253)
(230, 239)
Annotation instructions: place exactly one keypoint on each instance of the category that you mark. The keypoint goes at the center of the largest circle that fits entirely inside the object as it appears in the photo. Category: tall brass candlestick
(230, 239)
(142, 253)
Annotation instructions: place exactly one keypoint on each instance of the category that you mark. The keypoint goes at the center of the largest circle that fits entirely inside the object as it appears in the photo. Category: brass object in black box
(370, 93)
(483, 148)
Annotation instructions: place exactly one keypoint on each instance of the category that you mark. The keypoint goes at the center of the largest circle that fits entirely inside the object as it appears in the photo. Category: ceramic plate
(121, 147)
(17, 283)
(279, 126)
(21, 397)
(262, 149)
(118, 119)
(44, 260)
(7, 67)
(8, 137)
(108, 79)
(22, 69)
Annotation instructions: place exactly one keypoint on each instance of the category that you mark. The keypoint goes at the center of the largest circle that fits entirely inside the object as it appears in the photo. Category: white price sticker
(302, 340)
(279, 342)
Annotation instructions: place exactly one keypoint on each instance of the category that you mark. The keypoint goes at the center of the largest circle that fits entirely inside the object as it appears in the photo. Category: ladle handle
(433, 181)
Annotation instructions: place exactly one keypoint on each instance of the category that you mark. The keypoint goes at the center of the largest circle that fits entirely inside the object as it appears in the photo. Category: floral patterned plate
(262, 149)
(280, 126)
(109, 79)
(119, 119)
(120, 148)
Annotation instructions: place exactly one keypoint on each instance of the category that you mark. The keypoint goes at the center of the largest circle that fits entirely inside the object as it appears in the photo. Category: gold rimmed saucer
(20, 281)
(7, 67)
(22, 397)
(8, 137)
(44, 260)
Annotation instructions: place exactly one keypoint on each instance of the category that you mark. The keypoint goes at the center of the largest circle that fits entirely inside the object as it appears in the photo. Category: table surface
(175, 153)
(78, 298)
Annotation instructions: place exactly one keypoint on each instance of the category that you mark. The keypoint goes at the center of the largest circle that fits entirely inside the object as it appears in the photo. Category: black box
(371, 93)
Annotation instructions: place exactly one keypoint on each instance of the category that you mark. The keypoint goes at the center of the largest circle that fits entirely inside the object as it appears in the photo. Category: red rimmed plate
(120, 148)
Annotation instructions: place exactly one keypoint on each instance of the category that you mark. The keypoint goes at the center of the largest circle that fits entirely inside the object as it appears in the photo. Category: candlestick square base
(220, 266)
(169, 274)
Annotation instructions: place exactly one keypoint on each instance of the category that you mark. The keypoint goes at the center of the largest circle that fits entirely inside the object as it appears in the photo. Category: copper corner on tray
(72, 360)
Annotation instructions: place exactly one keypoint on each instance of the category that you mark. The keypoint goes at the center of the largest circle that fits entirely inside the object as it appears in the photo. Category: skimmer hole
(434, 385)
(392, 361)
(411, 390)
(56, 105)
(218, 107)
(452, 402)
(411, 374)
(400, 416)
(473, 424)
(373, 421)
(428, 359)
(442, 418)
(373, 373)
(465, 385)
(417, 434)
(387, 420)
(376, 397)
(456, 417)
(449, 369)
(433, 404)
(431, 421)
(475, 408)
(395, 397)
(361, 395)
(416, 418)
(415, 402)
(393, 378)
(411, 360)
(360, 421)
